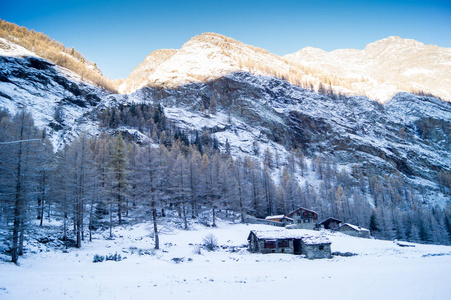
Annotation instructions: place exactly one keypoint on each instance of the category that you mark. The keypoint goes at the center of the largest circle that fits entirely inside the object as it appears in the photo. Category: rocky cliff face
(409, 135)
(57, 98)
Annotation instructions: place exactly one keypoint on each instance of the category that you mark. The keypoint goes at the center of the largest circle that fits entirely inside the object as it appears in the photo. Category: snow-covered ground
(381, 270)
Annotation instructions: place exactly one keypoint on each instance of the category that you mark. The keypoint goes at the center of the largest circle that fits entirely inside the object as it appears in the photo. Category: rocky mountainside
(408, 137)
(58, 99)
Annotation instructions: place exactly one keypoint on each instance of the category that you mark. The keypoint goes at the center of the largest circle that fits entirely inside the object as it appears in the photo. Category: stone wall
(317, 251)
(352, 232)
(281, 245)
(301, 225)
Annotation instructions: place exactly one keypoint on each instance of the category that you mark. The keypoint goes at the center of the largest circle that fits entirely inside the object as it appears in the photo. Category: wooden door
(297, 247)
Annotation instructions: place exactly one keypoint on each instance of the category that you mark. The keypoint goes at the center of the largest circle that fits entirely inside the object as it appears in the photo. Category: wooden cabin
(330, 223)
(354, 230)
(280, 218)
(304, 218)
(289, 241)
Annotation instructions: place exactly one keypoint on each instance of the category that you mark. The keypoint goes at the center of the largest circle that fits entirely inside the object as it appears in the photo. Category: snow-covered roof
(309, 239)
(278, 217)
(274, 217)
(355, 227)
(315, 240)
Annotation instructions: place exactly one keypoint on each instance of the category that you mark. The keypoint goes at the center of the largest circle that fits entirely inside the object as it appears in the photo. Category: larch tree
(119, 173)
(148, 179)
(78, 188)
(21, 150)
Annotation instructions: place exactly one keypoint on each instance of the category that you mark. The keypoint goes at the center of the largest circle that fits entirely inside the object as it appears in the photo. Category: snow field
(381, 270)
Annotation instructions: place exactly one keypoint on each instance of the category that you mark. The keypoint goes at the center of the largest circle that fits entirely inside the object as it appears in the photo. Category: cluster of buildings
(294, 241)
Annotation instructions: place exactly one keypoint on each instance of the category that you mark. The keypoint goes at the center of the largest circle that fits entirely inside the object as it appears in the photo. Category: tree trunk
(78, 227)
(111, 220)
(21, 237)
(91, 213)
(184, 216)
(155, 229)
(17, 205)
(119, 210)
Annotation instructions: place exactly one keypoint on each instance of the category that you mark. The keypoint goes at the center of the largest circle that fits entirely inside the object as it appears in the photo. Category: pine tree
(373, 225)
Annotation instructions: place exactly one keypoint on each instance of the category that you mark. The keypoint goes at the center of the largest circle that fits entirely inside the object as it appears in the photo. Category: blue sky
(118, 35)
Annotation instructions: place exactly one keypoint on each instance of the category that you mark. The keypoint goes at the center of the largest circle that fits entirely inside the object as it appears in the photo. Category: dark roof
(291, 213)
(331, 219)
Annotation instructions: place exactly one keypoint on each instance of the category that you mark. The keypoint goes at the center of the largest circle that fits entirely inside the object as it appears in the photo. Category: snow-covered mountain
(203, 58)
(409, 136)
(380, 71)
(57, 98)
(385, 67)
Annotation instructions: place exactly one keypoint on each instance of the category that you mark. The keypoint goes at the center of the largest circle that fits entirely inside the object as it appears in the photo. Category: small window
(283, 243)
(270, 244)
(306, 220)
(321, 247)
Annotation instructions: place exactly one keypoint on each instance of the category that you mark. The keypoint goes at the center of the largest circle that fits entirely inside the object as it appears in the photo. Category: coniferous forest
(108, 180)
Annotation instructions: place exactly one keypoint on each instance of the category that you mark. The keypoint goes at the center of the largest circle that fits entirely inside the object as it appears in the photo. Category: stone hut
(304, 218)
(280, 218)
(354, 230)
(316, 247)
(330, 223)
(289, 241)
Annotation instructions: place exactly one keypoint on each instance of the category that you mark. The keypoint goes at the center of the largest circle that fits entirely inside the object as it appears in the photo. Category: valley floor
(381, 270)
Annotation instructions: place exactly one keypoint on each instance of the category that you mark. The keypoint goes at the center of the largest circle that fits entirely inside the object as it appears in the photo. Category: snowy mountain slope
(57, 98)
(385, 67)
(228, 272)
(382, 70)
(139, 75)
(203, 58)
(409, 135)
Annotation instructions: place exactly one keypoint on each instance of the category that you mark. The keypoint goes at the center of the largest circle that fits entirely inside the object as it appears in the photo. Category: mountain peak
(381, 70)
(139, 75)
(204, 57)
(212, 37)
(384, 68)
(393, 43)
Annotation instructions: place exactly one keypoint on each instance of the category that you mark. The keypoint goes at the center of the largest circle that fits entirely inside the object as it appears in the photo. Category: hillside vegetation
(55, 52)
